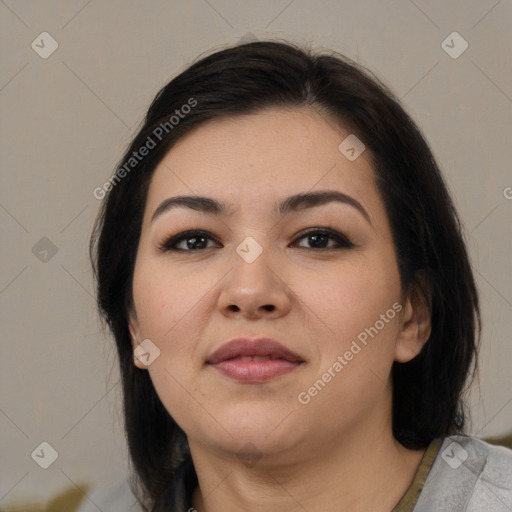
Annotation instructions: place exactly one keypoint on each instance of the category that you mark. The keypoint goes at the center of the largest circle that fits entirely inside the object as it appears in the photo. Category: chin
(270, 429)
(256, 444)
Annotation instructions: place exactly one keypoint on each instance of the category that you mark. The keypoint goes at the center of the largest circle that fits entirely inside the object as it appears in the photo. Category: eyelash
(342, 241)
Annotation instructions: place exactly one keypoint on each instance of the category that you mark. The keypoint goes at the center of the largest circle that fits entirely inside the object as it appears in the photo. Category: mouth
(254, 360)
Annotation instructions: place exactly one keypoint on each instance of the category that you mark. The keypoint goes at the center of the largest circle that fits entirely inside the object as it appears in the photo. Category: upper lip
(244, 347)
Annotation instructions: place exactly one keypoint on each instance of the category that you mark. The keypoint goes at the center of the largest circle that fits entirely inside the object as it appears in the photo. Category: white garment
(468, 475)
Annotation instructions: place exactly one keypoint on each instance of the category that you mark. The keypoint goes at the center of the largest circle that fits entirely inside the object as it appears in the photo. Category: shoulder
(468, 474)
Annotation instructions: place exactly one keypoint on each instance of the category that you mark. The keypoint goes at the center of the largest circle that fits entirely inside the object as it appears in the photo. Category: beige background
(65, 122)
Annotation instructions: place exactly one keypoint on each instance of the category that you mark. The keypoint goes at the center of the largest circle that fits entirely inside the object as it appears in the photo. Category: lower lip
(255, 371)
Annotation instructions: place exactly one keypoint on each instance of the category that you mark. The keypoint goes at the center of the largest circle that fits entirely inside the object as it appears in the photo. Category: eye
(319, 238)
(191, 241)
(196, 240)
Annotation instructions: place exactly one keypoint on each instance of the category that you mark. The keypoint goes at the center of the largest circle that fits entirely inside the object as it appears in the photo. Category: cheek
(171, 314)
(173, 311)
(163, 300)
(343, 302)
(355, 359)
(179, 392)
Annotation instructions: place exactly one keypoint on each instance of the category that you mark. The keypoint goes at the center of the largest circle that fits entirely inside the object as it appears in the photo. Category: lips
(257, 350)
(254, 360)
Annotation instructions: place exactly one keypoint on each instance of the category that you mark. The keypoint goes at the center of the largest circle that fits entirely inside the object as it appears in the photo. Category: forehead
(262, 157)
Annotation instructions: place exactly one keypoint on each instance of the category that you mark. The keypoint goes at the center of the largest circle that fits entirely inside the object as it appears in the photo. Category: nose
(255, 290)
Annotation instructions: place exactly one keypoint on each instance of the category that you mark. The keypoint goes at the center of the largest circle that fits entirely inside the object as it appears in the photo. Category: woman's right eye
(190, 241)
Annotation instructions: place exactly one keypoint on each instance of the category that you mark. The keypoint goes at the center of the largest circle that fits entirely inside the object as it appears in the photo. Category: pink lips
(254, 361)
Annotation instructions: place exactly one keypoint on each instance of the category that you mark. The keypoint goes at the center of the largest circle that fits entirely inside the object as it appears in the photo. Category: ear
(416, 321)
(134, 329)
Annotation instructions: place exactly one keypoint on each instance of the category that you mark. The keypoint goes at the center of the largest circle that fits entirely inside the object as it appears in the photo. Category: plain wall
(65, 122)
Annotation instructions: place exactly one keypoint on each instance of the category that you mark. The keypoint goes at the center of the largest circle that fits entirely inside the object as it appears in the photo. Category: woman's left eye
(193, 241)
(318, 238)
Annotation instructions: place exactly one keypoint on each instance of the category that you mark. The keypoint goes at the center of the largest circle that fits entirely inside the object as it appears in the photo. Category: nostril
(267, 307)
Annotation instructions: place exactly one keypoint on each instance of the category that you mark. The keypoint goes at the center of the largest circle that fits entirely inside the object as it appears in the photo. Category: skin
(337, 452)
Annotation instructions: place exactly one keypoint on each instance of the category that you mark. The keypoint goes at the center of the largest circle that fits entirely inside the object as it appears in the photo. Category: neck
(369, 471)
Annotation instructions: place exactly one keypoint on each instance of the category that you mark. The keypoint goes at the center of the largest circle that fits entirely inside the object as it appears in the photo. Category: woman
(295, 314)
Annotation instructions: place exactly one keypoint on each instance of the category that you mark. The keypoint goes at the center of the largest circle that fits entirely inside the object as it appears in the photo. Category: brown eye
(190, 241)
(319, 239)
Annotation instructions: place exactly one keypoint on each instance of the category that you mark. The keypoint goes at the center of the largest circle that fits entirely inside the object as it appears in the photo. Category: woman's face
(333, 300)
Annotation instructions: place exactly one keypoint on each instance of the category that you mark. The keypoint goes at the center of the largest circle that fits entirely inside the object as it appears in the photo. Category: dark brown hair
(427, 391)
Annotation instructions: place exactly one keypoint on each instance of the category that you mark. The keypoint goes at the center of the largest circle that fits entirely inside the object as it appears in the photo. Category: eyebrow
(293, 203)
